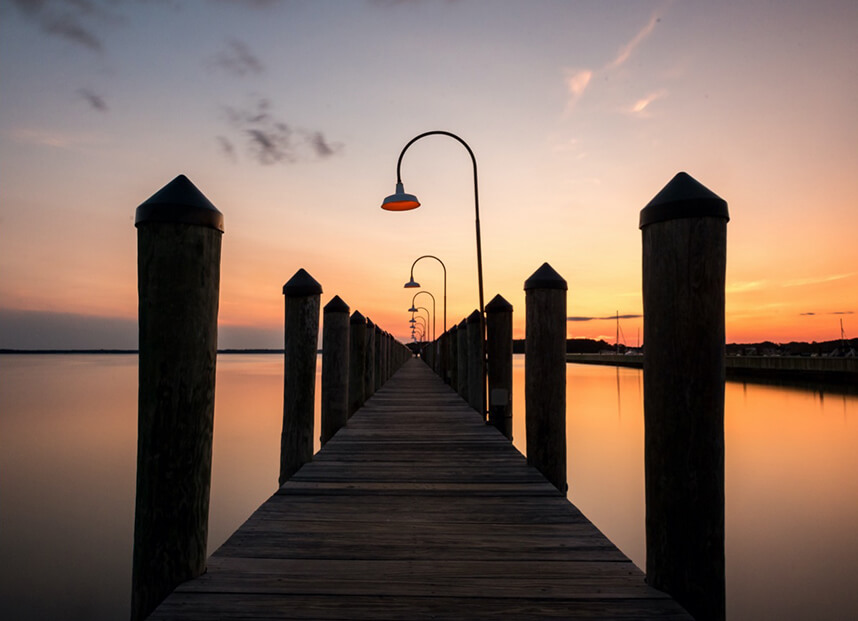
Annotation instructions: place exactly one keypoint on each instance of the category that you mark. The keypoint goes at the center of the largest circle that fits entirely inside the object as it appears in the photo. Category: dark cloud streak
(607, 318)
(237, 59)
(272, 141)
(76, 21)
(95, 101)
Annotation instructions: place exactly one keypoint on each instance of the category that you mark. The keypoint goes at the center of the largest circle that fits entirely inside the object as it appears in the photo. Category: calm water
(68, 454)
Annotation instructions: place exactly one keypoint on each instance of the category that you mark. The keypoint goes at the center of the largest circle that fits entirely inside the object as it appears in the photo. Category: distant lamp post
(413, 308)
(411, 284)
(400, 201)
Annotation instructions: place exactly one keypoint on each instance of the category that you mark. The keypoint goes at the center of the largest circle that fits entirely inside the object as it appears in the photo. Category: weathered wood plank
(418, 510)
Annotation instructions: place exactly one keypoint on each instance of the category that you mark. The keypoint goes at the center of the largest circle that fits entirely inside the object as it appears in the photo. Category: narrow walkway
(418, 510)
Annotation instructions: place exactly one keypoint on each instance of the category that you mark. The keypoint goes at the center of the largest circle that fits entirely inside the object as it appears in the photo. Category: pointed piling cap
(683, 197)
(357, 318)
(545, 278)
(463, 325)
(474, 317)
(179, 202)
(498, 305)
(336, 305)
(301, 285)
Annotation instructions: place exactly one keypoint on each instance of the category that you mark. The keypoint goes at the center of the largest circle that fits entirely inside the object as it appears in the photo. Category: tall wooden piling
(178, 278)
(475, 365)
(462, 364)
(499, 361)
(302, 298)
(335, 367)
(684, 230)
(545, 373)
(453, 357)
(357, 361)
(369, 367)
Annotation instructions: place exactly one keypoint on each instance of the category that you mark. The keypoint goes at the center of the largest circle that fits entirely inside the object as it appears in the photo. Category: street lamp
(400, 201)
(413, 309)
(411, 284)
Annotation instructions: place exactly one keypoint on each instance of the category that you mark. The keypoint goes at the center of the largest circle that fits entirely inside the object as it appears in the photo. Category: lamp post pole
(434, 314)
(413, 285)
(400, 201)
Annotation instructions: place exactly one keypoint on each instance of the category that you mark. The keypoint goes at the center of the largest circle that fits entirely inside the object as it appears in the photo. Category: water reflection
(68, 456)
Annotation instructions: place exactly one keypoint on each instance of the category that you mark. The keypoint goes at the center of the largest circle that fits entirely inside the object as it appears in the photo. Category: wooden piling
(499, 361)
(369, 367)
(462, 355)
(357, 361)
(475, 368)
(302, 298)
(335, 367)
(453, 357)
(178, 278)
(684, 230)
(545, 374)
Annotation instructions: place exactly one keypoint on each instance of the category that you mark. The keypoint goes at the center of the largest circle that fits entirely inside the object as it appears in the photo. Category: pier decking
(418, 510)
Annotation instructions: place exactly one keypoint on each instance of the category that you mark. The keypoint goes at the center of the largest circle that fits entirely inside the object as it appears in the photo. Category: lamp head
(412, 320)
(413, 309)
(399, 200)
(411, 284)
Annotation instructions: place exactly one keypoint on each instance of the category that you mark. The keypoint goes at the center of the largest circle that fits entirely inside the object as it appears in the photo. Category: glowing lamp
(400, 201)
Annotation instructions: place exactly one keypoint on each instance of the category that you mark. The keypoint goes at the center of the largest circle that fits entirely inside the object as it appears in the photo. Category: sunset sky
(290, 115)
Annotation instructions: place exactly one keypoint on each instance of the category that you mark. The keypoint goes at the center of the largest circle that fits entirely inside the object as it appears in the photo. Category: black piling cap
(301, 285)
(455, 328)
(474, 317)
(369, 323)
(357, 318)
(463, 325)
(179, 202)
(498, 305)
(683, 197)
(336, 305)
(545, 278)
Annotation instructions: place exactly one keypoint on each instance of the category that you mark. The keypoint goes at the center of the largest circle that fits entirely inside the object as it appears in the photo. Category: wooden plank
(418, 510)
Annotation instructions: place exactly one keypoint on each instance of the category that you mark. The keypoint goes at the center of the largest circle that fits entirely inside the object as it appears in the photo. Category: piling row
(684, 260)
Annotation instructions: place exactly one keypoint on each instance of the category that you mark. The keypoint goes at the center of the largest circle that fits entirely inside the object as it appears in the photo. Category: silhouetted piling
(369, 367)
(462, 365)
(545, 374)
(684, 231)
(178, 277)
(357, 361)
(302, 298)
(499, 361)
(335, 367)
(453, 357)
(475, 366)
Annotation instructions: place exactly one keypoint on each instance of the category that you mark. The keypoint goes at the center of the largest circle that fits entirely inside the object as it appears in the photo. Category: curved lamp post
(415, 309)
(400, 201)
(416, 285)
(434, 314)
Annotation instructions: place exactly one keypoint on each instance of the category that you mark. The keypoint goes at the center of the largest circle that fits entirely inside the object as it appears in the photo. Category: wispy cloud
(49, 138)
(641, 106)
(606, 318)
(830, 313)
(237, 59)
(801, 282)
(629, 48)
(270, 140)
(95, 101)
(741, 287)
(76, 21)
(577, 81)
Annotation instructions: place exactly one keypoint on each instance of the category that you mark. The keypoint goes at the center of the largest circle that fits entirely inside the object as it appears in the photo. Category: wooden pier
(418, 510)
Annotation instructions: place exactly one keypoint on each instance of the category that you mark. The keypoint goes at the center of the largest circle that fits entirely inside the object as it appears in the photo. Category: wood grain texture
(418, 510)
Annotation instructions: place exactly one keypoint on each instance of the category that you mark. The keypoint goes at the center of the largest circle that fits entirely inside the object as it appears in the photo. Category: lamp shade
(413, 309)
(411, 284)
(400, 201)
